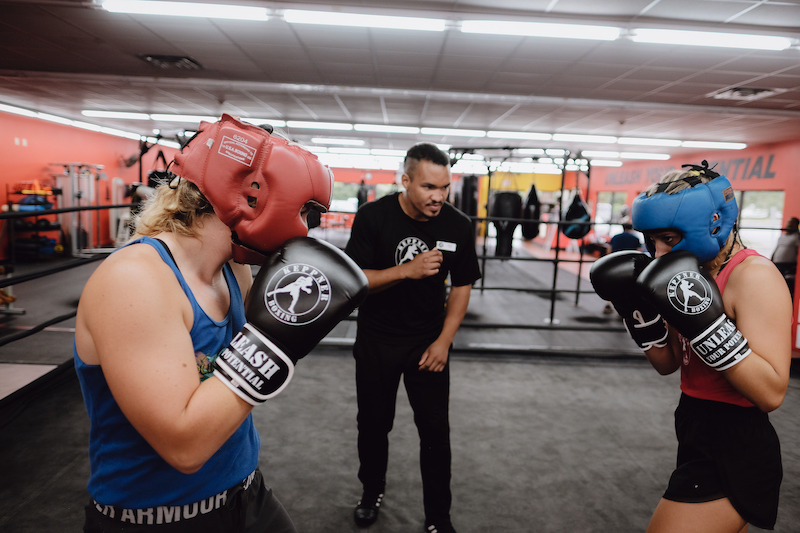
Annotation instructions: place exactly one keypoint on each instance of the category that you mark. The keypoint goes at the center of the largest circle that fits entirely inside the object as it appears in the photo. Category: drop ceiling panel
(67, 56)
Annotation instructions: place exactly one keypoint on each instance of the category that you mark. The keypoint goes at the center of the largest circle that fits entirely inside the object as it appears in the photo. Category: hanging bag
(533, 212)
(576, 220)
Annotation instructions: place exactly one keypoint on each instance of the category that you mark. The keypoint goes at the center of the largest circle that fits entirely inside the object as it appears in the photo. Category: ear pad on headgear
(256, 182)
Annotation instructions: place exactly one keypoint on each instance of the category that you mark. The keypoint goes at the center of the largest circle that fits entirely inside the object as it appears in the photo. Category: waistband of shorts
(717, 407)
(167, 514)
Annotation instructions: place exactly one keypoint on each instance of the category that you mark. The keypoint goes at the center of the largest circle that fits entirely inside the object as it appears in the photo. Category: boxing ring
(550, 422)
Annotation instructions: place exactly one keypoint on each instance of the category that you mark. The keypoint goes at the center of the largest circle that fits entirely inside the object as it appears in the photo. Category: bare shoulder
(129, 270)
(753, 272)
(131, 296)
(758, 284)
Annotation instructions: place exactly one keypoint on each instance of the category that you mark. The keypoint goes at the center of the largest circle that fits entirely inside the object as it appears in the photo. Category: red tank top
(697, 378)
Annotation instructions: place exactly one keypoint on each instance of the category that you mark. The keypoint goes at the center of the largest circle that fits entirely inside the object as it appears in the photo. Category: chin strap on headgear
(704, 213)
(257, 183)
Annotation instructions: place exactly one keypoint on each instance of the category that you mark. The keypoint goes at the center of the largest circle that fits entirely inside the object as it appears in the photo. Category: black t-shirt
(383, 236)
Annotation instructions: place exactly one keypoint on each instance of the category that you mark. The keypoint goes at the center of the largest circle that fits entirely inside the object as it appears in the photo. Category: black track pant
(379, 366)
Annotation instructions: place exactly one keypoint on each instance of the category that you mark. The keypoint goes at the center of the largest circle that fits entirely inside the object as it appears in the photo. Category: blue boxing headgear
(691, 212)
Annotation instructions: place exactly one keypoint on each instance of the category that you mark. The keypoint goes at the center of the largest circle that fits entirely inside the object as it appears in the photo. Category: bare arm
(668, 359)
(423, 265)
(435, 357)
(757, 298)
(134, 320)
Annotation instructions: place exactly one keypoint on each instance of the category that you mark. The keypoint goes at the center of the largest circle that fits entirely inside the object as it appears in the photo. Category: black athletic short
(727, 451)
(247, 507)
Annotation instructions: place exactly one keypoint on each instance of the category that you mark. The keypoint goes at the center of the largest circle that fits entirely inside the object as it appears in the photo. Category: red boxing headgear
(256, 182)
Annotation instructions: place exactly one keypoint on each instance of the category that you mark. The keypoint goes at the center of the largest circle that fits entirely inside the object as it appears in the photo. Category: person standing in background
(408, 244)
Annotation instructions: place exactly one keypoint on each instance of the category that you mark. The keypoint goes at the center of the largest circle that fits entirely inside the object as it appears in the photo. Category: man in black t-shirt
(407, 244)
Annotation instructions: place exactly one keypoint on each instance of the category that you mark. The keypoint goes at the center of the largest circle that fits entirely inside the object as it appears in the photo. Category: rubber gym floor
(564, 430)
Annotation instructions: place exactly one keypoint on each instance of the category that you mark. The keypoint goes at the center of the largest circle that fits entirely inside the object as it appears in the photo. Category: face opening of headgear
(259, 184)
(704, 212)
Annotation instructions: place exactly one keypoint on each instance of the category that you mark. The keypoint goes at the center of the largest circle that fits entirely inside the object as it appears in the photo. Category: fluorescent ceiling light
(569, 137)
(348, 142)
(171, 144)
(547, 169)
(641, 155)
(353, 151)
(530, 151)
(642, 141)
(555, 152)
(390, 153)
(259, 121)
(624, 155)
(360, 161)
(385, 128)
(186, 9)
(454, 132)
(526, 135)
(300, 124)
(86, 125)
(599, 154)
(541, 29)
(53, 118)
(331, 18)
(17, 110)
(120, 133)
(713, 145)
(704, 38)
(115, 114)
(184, 118)
(603, 163)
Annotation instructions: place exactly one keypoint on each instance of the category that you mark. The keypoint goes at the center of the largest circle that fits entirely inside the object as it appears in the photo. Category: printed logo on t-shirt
(689, 292)
(297, 294)
(408, 248)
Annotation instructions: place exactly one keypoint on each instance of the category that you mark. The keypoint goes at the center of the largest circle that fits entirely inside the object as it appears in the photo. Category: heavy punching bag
(468, 203)
(505, 205)
(532, 212)
(576, 220)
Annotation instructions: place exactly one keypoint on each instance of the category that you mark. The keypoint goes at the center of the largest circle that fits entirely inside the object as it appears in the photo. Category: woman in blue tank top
(168, 447)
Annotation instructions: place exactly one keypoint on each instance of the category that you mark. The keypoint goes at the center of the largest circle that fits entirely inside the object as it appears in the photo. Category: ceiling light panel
(186, 9)
(454, 132)
(340, 142)
(541, 29)
(330, 18)
(704, 38)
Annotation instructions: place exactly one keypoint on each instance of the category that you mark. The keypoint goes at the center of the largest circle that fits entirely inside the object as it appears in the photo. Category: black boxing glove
(299, 295)
(613, 277)
(689, 299)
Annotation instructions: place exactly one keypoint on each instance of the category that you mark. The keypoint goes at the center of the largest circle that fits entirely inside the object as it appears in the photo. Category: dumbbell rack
(32, 226)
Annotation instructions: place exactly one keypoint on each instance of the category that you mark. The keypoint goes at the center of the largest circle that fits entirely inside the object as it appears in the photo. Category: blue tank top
(125, 470)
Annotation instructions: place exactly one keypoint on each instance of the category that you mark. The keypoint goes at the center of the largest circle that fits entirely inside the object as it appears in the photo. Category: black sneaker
(366, 511)
(440, 527)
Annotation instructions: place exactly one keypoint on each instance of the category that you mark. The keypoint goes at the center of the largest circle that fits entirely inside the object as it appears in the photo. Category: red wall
(765, 167)
(28, 146)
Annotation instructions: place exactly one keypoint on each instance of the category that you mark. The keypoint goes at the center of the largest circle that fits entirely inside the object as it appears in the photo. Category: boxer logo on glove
(688, 298)
(291, 306)
(297, 294)
(689, 293)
